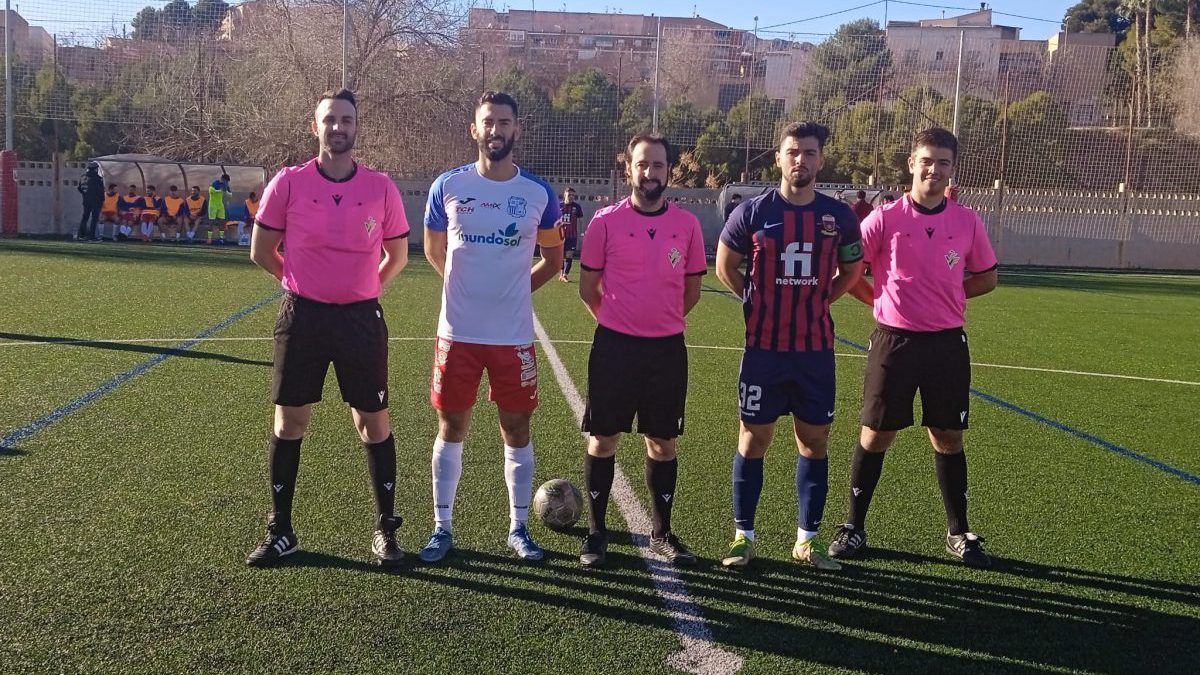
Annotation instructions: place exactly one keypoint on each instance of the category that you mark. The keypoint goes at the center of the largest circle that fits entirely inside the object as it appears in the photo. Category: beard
(337, 145)
(505, 149)
(801, 180)
(649, 193)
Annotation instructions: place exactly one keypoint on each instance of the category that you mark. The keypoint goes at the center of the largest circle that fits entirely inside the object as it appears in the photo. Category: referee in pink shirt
(346, 238)
(642, 261)
(928, 255)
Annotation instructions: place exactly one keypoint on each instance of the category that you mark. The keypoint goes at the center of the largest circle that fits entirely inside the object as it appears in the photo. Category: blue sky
(805, 20)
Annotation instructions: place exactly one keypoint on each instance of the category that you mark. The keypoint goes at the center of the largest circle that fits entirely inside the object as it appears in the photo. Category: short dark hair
(936, 137)
(798, 130)
(149, 187)
(112, 185)
(736, 196)
(652, 139)
(862, 194)
(499, 98)
(174, 187)
(339, 95)
(133, 185)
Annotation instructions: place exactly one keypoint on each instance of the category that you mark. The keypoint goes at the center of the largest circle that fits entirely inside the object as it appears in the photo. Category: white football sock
(518, 475)
(748, 533)
(803, 535)
(447, 469)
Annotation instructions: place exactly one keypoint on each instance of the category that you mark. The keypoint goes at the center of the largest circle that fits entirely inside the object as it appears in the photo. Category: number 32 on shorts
(748, 397)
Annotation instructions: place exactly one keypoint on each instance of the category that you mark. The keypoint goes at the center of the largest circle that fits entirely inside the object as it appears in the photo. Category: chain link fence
(1056, 128)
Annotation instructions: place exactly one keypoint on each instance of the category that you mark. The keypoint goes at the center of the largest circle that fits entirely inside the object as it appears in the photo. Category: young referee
(641, 266)
(928, 255)
(346, 238)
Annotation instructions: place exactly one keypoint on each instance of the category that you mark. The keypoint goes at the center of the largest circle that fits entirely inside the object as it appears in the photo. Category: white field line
(848, 355)
(699, 654)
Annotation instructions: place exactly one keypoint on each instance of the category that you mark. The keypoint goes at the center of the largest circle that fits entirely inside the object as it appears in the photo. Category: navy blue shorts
(772, 384)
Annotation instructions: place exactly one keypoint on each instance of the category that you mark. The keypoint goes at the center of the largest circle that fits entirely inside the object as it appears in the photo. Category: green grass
(123, 525)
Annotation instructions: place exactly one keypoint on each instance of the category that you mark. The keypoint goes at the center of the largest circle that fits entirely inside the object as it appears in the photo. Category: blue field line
(52, 417)
(1077, 433)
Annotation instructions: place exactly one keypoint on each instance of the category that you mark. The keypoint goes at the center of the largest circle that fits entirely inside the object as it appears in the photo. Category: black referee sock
(660, 478)
(283, 464)
(864, 476)
(952, 479)
(598, 477)
(381, 467)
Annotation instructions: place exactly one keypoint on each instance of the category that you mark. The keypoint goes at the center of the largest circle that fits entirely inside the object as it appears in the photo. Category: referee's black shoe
(594, 552)
(383, 542)
(969, 547)
(278, 543)
(673, 549)
(848, 542)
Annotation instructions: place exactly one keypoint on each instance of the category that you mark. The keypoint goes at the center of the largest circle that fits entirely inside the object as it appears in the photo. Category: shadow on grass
(897, 612)
(133, 251)
(1110, 283)
(12, 452)
(128, 347)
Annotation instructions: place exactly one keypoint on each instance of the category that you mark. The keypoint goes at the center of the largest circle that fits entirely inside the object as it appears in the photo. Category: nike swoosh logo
(770, 225)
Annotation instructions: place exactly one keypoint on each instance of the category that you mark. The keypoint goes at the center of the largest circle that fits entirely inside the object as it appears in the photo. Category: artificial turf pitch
(132, 484)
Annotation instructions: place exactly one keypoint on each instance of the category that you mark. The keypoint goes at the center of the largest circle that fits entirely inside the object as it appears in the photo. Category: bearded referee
(928, 255)
(346, 238)
(642, 262)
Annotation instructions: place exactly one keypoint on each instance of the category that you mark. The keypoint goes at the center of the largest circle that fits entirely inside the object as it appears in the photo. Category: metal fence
(1056, 135)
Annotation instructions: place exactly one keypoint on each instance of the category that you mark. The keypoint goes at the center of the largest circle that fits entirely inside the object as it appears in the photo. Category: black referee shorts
(902, 362)
(641, 377)
(309, 335)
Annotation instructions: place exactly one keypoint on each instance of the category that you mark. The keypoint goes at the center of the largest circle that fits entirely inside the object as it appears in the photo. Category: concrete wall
(1027, 227)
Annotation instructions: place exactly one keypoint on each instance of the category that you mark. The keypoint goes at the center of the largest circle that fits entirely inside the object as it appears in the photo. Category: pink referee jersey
(918, 259)
(333, 230)
(643, 259)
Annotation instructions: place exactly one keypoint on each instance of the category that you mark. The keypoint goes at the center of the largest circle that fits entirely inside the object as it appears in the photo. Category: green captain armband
(850, 252)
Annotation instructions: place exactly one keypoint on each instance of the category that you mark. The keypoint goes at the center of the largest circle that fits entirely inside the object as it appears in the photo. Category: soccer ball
(558, 503)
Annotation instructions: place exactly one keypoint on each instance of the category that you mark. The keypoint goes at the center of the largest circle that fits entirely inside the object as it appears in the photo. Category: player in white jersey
(481, 223)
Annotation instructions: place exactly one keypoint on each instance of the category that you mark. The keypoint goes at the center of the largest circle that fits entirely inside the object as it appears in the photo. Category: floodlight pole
(750, 103)
(345, 36)
(958, 81)
(8, 89)
(657, 59)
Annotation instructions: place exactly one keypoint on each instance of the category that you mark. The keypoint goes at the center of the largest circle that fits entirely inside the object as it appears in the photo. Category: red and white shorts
(459, 366)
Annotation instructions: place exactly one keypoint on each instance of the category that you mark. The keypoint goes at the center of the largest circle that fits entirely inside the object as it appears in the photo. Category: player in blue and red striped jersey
(804, 252)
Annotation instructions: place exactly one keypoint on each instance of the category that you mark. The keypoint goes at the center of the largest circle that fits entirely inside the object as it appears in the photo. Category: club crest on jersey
(673, 257)
(829, 226)
(952, 258)
(516, 207)
(370, 224)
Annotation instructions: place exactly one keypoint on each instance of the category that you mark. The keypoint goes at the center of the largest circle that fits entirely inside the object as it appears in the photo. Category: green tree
(637, 112)
(147, 24)
(96, 108)
(175, 19)
(1098, 16)
(49, 103)
(537, 119)
(1037, 143)
(586, 117)
(207, 15)
(847, 65)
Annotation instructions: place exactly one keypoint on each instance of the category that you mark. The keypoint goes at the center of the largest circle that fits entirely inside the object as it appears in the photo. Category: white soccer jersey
(491, 228)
